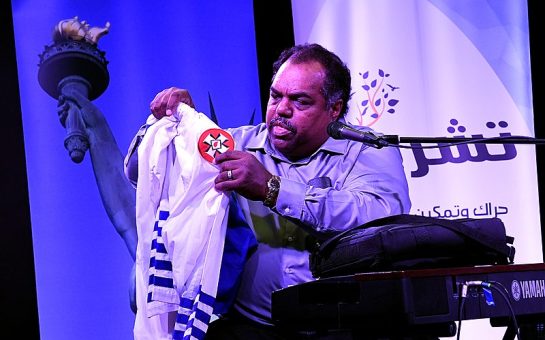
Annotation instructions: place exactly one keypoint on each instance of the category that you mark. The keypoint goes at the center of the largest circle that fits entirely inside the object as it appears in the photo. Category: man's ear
(336, 109)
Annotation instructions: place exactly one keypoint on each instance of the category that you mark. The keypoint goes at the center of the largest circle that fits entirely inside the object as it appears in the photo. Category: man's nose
(284, 108)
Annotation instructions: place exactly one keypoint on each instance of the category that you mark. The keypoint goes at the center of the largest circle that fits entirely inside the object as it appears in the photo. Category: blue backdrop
(82, 265)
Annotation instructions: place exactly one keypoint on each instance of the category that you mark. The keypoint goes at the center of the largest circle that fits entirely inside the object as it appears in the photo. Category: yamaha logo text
(530, 289)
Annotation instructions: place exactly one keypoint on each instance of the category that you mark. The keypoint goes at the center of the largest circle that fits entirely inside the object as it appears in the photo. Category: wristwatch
(273, 186)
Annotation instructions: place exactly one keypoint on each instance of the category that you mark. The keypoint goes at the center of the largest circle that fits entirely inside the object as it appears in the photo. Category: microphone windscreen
(334, 129)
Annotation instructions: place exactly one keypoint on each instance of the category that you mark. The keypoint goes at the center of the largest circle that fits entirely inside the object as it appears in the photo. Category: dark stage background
(272, 22)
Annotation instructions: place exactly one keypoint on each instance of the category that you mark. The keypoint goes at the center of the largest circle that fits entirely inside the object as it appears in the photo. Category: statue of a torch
(73, 63)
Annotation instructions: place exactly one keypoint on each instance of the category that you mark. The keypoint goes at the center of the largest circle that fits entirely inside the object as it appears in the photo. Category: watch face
(274, 183)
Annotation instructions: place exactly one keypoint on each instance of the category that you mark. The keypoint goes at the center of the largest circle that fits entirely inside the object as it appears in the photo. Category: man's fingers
(183, 96)
(155, 98)
(225, 183)
(229, 155)
(172, 101)
(158, 105)
(167, 101)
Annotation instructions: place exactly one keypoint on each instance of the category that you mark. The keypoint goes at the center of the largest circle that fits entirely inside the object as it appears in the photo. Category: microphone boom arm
(396, 140)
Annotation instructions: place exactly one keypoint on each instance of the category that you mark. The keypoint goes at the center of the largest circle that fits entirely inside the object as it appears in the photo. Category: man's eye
(274, 98)
(302, 103)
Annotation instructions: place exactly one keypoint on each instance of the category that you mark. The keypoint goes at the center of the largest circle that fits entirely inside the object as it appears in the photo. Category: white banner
(444, 69)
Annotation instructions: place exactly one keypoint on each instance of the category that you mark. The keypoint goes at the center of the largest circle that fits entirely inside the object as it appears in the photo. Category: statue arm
(117, 194)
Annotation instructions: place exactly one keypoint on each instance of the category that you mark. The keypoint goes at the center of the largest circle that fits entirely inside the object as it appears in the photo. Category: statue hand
(62, 110)
(90, 113)
(166, 102)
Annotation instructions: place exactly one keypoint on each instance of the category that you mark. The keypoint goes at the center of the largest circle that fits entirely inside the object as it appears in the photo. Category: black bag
(412, 242)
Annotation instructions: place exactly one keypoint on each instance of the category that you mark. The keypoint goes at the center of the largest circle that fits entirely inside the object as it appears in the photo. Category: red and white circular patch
(214, 141)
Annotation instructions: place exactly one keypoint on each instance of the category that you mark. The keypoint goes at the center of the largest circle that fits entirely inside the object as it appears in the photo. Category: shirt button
(287, 210)
(290, 238)
(288, 270)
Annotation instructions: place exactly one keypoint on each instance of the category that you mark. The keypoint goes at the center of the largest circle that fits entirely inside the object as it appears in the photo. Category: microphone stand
(339, 130)
(393, 140)
(444, 143)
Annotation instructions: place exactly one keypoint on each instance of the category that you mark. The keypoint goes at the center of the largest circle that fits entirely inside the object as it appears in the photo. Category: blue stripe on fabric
(149, 297)
(206, 299)
(186, 303)
(161, 281)
(158, 229)
(190, 323)
(158, 246)
(163, 215)
(182, 319)
(202, 316)
(161, 248)
(177, 335)
(197, 333)
(163, 265)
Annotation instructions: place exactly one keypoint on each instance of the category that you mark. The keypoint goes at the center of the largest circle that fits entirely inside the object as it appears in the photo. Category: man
(295, 184)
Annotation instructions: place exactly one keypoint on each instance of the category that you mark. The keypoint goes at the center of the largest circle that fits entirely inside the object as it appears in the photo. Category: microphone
(338, 130)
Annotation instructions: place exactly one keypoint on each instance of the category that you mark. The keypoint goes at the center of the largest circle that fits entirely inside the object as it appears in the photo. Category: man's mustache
(282, 122)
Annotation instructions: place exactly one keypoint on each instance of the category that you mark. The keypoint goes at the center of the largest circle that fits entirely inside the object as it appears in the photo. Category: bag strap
(456, 226)
(460, 227)
(373, 223)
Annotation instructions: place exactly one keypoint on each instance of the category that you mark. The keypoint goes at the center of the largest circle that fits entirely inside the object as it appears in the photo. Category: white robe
(175, 196)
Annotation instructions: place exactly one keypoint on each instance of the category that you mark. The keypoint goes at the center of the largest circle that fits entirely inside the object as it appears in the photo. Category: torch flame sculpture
(73, 63)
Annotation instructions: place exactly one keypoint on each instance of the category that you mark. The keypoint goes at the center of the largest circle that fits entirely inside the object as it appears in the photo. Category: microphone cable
(498, 287)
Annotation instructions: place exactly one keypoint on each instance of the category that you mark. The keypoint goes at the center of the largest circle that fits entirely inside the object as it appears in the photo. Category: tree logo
(377, 98)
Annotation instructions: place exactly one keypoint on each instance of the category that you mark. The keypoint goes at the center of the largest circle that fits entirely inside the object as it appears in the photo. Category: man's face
(297, 117)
